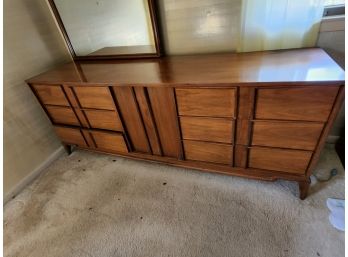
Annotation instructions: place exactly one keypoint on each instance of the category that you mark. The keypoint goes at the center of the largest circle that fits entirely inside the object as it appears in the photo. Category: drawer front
(51, 95)
(295, 135)
(291, 161)
(95, 97)
(71, 136)
(62, 115)
(310, 104)
(104, 119)
(207, 129)
(208, 152)
(206, 102)
(112, 142)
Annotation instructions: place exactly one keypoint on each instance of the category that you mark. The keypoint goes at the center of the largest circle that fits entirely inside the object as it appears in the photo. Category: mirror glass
(107, 27)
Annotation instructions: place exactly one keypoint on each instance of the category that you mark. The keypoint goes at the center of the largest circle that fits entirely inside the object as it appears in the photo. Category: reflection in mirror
(107, 27)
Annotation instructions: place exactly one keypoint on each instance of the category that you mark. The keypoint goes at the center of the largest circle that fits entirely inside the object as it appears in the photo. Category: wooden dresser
(263, 115)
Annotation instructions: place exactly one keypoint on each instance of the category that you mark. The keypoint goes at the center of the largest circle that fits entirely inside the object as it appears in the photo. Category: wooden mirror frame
(155, 29)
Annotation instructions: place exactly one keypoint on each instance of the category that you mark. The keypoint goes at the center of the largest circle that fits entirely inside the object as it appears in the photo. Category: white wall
(32, 44)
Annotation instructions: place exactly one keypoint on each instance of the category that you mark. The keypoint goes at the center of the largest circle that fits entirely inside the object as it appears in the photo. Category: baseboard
(34, 174)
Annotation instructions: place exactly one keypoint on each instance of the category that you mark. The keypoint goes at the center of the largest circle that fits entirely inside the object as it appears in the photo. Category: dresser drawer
(71, 136)
(206, 102)
(104, 119)
(95, 97)
(292, 161)
(310, 103)
(208, 152)
(62, 115)
(53, 95)
(110, 142)
(207, 129)
(285, 134)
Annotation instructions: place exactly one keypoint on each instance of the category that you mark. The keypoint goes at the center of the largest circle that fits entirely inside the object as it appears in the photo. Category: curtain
(279, 24)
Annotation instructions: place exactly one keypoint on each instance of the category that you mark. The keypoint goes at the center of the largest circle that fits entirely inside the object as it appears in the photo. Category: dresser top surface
(298, 65)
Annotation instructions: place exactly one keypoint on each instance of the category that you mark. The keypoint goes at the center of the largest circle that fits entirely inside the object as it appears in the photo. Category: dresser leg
(68, 149)
(304, 186)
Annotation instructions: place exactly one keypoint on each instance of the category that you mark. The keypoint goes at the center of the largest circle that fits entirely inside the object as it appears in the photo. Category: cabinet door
(164, 110)
(132, 118)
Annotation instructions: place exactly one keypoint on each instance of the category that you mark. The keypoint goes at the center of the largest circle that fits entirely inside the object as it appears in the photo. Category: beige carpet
(98, 205)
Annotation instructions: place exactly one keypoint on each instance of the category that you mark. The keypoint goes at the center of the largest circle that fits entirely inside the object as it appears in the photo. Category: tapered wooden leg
(304, 186)
(68, 149)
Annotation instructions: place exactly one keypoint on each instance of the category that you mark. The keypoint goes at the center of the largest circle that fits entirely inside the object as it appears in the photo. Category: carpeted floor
(91, 204)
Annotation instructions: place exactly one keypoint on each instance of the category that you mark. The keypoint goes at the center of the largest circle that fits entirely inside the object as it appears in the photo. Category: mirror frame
(155, 29)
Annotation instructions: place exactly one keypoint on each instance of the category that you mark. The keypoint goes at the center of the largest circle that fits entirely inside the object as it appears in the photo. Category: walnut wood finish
(243, 131)
(53, 95)
(295, 67)
(309, 104)
(206, 102)
(207, 129)
(89, 139)
(246, 99)
(70, 136)
(240, 156)
(101, 119)
(107, 141)
(132, 118)
(285, 134)
(166, 120)
(62, 115)
(94, 97)
(150, 126)
(294, 161)
(208, 152)
(269, 123)
(82, 117)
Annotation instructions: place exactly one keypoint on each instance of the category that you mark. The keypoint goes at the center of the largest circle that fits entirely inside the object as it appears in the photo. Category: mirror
(107, 29)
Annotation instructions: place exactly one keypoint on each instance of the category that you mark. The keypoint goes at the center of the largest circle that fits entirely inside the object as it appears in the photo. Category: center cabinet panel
(163, 106)
(130, 113)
